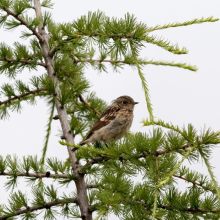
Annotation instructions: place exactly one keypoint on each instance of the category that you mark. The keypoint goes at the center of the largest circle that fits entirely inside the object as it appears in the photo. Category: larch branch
(18, 97)
(88, 106)
(23, 22)
(37, 175)
(96, 160)
(187, 209)
(161, 152)
(47, 205)
(193, 182)
(190, 209)
(25, 61)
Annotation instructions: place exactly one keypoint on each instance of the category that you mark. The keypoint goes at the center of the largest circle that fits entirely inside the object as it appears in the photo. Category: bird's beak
(136, 103)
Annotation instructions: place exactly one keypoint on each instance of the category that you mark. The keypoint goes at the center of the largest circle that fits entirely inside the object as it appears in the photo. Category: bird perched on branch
(114, 122)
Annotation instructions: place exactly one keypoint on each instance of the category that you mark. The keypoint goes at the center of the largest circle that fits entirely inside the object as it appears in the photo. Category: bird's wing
(106, 117)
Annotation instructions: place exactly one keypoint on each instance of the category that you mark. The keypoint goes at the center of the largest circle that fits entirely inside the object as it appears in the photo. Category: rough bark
(63, 117)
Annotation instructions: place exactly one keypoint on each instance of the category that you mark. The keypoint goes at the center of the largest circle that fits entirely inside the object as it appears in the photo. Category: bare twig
(18, 97)
(47, 205)
(87, 104)
(25, 61)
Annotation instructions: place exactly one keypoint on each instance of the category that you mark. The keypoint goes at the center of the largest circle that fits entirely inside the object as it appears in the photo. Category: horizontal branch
(18, 97)
(106, 158)
(129, 35)
(143, 62)
(190, 209)
(177, 24)
(94, 34)
(193, 182)
(91, 186)
(37, 175)
(25, 61)
(23, 22)
(87, 105)
(47, 205)
(96, 160)
(160, 152)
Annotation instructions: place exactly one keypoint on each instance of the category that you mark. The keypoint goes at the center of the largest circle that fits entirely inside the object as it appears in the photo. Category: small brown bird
(114, 122)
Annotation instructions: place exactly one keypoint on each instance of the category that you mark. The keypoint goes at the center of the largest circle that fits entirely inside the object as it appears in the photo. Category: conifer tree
(103, 177)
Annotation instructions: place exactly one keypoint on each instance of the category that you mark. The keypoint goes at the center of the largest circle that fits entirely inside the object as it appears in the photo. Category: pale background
(178, 96)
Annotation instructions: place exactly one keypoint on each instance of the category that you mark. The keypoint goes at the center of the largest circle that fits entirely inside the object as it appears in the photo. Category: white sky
(178, 96)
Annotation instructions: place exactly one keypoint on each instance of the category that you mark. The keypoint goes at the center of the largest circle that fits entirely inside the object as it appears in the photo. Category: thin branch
(88, 105)
(169, 176)
(53, 51)
(94, 34)
(193, 182)
(165, 45)
(47, 205)
(18, 97)
(25, 61)
(211, 175)
(177, 24)
(91, 186)
(190, 209)
(161, 152)
(37, 175)
(141, 155)
(23, 22)
(48, 131)
(157, 166)
(157, 189)
(141, 61)
(96, 160)
(144, 83)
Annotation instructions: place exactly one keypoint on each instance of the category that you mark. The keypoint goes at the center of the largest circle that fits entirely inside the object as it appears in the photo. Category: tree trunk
(81, 186)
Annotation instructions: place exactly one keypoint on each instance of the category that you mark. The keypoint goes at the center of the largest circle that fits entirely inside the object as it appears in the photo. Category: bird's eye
(125, 102)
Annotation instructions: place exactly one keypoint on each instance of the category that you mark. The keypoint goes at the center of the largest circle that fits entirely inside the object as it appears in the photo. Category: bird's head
(125, 102)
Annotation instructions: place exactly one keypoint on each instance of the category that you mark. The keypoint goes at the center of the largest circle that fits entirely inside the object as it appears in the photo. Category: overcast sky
(178, 96)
